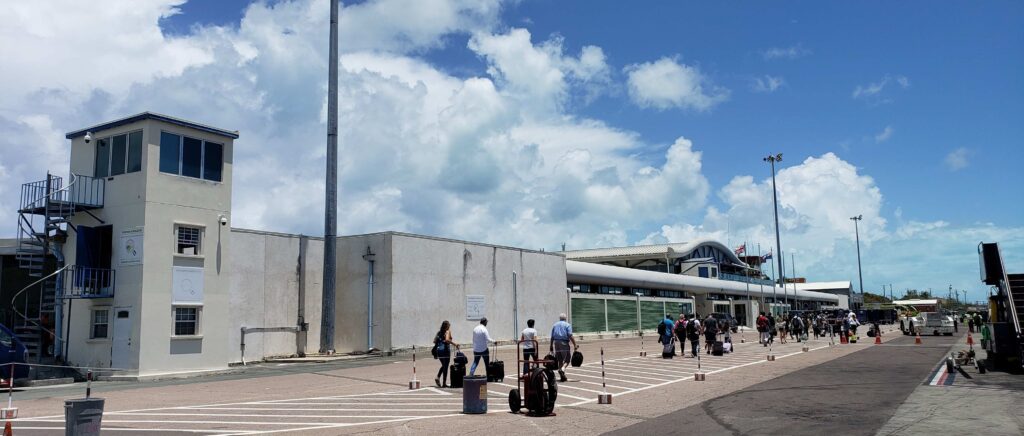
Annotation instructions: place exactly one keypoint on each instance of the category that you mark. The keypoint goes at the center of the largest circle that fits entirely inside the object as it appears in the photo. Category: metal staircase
(43, 224)
(1015, 287)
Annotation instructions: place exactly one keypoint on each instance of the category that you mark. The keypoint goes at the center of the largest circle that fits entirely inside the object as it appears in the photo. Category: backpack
(691, 329)
(661, 328)
(681, 329)
(762, 323)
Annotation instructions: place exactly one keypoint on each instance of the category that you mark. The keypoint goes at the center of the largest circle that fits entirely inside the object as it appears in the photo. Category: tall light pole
(771, 159)
(860, 274)
(331, 200)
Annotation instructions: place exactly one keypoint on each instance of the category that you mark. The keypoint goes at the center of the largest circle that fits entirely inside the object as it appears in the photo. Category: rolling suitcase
(496, 369)
(670, 350)
(718, 348)
(458, 372)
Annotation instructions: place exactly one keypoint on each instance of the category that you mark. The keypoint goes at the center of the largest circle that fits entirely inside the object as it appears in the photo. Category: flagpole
(746, 272)
(760, 270)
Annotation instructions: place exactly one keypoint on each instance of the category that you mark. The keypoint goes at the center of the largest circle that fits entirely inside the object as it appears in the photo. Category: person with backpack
(771, 329)
(693, 329)
(762, 329)
(798, 328)
(442, 351)
(667, 333)
(528, 338)
(680, 333)
(710, 332)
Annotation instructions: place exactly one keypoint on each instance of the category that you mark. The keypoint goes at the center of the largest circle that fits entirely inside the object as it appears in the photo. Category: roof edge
(233, 134)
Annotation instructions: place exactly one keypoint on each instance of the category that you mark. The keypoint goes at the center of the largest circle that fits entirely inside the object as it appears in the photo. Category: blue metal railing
(744, 279)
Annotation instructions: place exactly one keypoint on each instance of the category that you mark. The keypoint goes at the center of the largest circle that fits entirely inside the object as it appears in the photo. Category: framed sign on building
(131, 246)
(476, 307)
(187, 285)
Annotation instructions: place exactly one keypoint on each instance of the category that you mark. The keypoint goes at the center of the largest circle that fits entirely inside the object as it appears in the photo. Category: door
(121, 347)
(740, 313)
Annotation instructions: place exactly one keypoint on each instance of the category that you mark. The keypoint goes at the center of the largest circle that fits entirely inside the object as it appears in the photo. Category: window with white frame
(100, 325)
(188, 240)
(186, 320)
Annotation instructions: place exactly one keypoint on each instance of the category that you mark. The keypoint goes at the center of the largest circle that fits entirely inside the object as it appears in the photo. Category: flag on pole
(766, 256)
(741, 249)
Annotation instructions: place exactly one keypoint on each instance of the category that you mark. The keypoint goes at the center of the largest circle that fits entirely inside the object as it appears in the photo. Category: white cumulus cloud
(666, 84)
(958, 159)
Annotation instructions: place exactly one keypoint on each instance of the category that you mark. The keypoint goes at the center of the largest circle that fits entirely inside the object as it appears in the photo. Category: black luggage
(669, 351)
(718, 348)
(577, 359)
(496, 369)
(460, 358)
(458, 372)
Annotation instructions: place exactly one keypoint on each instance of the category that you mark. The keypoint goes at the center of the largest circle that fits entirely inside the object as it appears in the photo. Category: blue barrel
(474, 394)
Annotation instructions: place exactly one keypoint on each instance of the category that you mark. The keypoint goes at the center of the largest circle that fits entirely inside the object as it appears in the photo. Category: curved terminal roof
(597, 274)
(642, 252)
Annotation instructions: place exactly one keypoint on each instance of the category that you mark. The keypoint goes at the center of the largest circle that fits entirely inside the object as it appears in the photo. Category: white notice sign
(187, 285)
(131, 246)
(476, 307)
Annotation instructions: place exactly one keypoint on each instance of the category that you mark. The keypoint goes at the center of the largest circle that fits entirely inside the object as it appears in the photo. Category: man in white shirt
(481, 338)
(528, 340)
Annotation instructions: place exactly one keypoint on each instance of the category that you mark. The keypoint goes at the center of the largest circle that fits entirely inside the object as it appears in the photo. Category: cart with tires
(537, 389)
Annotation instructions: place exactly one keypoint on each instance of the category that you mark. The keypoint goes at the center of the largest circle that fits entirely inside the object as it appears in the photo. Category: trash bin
(474, 394)
(82, 416)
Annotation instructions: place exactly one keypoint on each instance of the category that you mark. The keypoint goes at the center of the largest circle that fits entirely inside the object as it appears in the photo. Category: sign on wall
(187, 285)
(476, 307)
(131, 246)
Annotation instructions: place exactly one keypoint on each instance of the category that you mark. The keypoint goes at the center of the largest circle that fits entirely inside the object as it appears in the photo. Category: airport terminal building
(132, 263)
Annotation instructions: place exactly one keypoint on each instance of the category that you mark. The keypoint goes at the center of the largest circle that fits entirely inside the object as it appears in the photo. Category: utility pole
(331, 200)
(860, 274)
(771, 159)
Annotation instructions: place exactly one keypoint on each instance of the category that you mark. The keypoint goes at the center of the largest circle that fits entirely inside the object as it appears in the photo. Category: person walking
(783, 329)
(710, 332)
(693, 329)
(978, 321)
(970, 324)
(680, 333)
(529, 340)
(481, 339)
(771, 328)
(762, 329)
(798, 328)
(561, 337)
(443, 344)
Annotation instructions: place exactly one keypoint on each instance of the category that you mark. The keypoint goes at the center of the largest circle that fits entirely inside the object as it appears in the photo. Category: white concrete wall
(432, 277)
(264, 292)
(351, 295)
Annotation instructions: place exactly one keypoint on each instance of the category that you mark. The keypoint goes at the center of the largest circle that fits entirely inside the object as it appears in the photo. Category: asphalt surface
(854, 395)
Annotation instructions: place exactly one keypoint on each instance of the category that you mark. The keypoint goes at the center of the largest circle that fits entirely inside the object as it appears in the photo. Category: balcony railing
(744, 279)
(88, 282)
(82, 191)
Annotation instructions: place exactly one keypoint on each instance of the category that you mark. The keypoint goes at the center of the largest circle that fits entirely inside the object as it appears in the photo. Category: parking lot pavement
(372, 398)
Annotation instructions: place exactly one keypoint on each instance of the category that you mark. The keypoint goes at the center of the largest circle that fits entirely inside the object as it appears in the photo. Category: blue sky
(533, 123)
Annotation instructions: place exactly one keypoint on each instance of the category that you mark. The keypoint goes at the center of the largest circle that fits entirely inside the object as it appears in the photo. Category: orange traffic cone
(7, 429)
(878, 339)
(917, 339)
